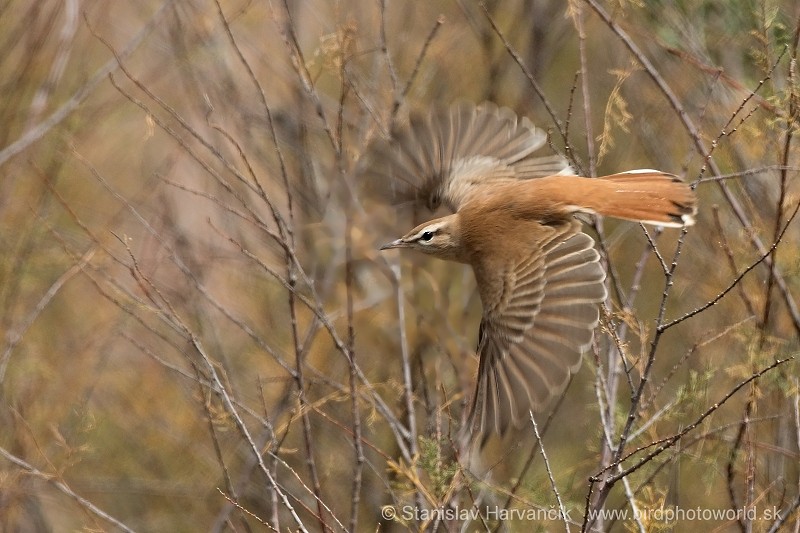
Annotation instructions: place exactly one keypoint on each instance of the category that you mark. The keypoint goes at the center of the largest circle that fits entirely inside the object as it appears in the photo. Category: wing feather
(441, 156)
(530, 345)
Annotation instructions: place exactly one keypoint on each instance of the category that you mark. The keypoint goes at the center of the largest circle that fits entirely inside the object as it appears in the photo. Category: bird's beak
(398, 243)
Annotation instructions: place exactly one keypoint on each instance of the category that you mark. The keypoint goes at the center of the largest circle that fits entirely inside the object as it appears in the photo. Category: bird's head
(439, 238)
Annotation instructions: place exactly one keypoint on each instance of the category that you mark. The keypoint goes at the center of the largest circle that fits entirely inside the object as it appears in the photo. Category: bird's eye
(426, 236)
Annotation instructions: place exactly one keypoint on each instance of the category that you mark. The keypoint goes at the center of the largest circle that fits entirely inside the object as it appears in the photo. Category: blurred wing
(531, 344)
(440, 156)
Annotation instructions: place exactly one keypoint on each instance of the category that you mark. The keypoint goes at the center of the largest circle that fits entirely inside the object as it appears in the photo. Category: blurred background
(199, 332)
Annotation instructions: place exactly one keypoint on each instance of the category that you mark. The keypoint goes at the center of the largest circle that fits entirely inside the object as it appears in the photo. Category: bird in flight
(538, 275)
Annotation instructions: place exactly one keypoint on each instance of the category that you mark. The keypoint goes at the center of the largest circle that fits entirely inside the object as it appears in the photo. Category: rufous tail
(648, 196)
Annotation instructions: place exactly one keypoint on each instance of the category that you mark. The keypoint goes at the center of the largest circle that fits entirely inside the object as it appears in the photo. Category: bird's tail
(648, 196)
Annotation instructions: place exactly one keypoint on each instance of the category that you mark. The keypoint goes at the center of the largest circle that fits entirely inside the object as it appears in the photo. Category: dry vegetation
(198, 332)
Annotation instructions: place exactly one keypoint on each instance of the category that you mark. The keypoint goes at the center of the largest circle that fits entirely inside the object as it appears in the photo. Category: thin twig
(63, 488)
(16, 336)
(528, 75)
(670, 441)
(232, 501)
(438, 24)
(664, 326)
(35, 133)
(562, 510)
(289, 36)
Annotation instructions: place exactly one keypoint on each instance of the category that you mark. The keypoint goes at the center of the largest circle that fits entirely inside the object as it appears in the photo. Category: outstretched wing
(532, 342)
(440, 156)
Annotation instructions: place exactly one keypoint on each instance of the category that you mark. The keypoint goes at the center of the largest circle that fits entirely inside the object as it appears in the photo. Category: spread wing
(440, 156)
(532, 341)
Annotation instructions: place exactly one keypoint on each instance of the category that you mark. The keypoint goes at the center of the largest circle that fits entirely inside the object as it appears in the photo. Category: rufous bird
(538, 275)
